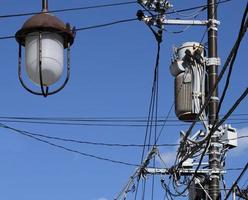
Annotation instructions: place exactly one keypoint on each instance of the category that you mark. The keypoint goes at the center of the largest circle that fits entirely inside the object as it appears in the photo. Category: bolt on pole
(214, 150)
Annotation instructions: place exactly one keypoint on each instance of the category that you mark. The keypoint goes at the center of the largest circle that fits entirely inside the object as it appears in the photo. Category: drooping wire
(103, 6)
(106, 24)
(196, 14)
(99, 25)
(99, 143)
(161, 124)
(87, 27)
(236, 181)
(103, 119)
(243, 29)
(197, 7)
(71, 9)
(65, 148)
(153, 102)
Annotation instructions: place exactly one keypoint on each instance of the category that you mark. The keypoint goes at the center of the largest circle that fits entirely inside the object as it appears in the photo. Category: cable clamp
(214, 176)
(213, 61)
(216, 99)
(213, 22)
(196, 94)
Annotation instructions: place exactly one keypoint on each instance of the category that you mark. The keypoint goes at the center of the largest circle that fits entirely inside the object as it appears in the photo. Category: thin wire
(153, 181)
(235, 169)
(99, 6)
(70, 9)
(104, 119)
(106, 24)
(88, 27)
(197, 7)
(243, 28)
(151, 105)
(144, 189)
(187, 27)
(178, 32)
(236, 181)
(99, 25)
(103, 124)
(194, 14)
(65, 148)
(107, 144)
(97, 143)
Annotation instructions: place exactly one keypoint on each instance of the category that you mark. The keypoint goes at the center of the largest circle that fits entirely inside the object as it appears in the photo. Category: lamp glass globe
(52, 57)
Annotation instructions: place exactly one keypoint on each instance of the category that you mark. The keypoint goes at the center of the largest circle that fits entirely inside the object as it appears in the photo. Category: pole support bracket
(213, 61)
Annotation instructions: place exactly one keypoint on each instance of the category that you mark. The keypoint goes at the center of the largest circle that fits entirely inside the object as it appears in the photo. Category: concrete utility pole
(209, 188)
(214, 150)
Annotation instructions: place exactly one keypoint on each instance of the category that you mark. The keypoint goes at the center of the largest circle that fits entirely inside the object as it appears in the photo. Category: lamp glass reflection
(52, 57)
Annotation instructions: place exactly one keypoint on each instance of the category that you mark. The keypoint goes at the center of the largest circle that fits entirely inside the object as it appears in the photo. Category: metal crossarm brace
(184, 22)
(137, 174)
(186, 172)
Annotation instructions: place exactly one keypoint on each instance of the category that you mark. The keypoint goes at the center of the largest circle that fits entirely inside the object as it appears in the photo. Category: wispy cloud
(102, 198)
(169, 157)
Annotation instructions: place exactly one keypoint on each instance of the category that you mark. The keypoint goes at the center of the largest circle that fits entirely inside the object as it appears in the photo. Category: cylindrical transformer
(190, 82)
(183, 97)
(191, 46)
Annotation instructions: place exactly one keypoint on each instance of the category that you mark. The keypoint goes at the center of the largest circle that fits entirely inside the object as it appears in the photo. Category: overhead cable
(102, 6)
(87, 27)
(236, 181)
(196, 7)
(66, 148)
(99, 25)
(243, 29)
(70, 9)
(97, 143)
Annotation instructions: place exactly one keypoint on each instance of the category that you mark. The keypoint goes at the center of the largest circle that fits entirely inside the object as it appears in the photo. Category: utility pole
(205, 183)
(214, 150)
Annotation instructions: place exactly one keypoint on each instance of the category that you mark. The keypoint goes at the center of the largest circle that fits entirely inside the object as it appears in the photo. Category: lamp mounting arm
(44, 5)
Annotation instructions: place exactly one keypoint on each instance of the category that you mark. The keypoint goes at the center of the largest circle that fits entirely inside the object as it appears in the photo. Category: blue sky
(112, 72)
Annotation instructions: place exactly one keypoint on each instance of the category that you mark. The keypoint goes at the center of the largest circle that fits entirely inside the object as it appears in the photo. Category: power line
(235, 169)
(66, 148)
(106, 24)
(243, 29)
(70, 9)
(196, 7)
(100, 124)
(237, 180)
(105, 119)
(99, 25)
(98, 143)
(87, 27)
(102, 143)
(101, 6)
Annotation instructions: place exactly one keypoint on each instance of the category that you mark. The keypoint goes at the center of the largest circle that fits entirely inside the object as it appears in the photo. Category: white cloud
(242, 143)
(102, 198)
(169, 157)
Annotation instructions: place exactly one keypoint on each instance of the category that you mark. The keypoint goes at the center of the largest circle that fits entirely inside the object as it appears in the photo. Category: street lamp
(44, 37)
